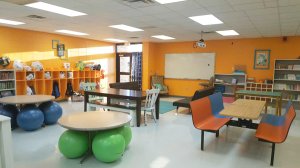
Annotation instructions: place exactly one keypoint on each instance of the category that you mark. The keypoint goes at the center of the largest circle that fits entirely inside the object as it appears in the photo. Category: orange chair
(205, 119)
(274, 129)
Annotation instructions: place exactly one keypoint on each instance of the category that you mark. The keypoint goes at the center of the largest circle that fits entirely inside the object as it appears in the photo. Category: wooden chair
(150, 104)
(157, 82)
(205, 115)
(274, 129)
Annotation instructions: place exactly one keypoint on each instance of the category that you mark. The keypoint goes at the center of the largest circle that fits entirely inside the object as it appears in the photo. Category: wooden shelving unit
(228, 83)
(7, 82)
(44, 85)
(259, 87)
(287, 78)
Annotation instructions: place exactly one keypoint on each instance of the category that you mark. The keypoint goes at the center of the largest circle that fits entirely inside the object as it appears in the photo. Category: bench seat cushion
(183, 102)
(197, 95)
(270, 133)
(212, 123)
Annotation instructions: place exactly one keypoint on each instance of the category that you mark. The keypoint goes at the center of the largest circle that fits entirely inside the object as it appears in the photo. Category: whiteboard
(190, 65)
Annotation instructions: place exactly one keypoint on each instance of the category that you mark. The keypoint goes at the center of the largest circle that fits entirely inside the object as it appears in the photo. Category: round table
(93, 121)
(37, 118)
(26, 99)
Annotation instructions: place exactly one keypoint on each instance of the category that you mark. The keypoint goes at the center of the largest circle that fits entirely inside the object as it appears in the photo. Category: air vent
(138, 3)
(144, 1)
(148, 27)
(36, 17)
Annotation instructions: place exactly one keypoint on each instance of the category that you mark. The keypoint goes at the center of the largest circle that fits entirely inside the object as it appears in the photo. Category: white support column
(6, 153)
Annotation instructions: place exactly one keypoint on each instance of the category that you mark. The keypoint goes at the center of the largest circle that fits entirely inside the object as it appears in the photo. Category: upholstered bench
(197, 95)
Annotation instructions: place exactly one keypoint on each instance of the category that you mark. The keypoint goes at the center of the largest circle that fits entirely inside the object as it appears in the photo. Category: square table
(245, 110)
(137, 96)
(276, 95)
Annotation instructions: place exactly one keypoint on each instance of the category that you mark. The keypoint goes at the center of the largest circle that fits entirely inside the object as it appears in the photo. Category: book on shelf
(291, 76)
(296, 67)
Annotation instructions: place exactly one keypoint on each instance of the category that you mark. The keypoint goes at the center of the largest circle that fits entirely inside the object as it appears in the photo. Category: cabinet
(42, 81)
(287, 78)
(7, 82)
(229, 83)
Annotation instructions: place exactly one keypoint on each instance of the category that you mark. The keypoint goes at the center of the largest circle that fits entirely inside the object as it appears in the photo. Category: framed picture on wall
(262, 59)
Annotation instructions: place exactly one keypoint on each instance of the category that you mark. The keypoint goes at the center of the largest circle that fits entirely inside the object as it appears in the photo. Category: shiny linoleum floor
(173, 142)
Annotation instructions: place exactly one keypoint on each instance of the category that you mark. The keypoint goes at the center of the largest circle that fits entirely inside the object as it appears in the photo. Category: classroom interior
(172, 141)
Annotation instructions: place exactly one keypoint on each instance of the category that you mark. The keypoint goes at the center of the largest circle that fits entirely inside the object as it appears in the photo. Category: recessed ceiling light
(55, 9)
(228, 33)
(10, 22)
(71, 32)
(126, 28)
(163, 37)
(168, 1)
(206, 19)
(115, 40)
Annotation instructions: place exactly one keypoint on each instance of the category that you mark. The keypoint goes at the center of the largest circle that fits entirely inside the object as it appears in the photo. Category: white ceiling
(250, 18)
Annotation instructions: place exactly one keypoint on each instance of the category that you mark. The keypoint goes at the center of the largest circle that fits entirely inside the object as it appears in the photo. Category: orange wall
(20, 43)
(228, 54)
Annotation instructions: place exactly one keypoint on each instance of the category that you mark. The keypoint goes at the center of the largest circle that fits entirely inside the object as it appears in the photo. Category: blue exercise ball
(30, 118)
(10, 111)
(52, 112)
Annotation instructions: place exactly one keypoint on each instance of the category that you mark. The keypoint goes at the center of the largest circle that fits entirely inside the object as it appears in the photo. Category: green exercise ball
(125, 131)
(108, 146)
(73, 144)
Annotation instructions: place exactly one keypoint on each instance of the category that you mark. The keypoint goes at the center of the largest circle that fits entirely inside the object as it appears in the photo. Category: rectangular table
(245, 110)
(137, 96)
(276, 95)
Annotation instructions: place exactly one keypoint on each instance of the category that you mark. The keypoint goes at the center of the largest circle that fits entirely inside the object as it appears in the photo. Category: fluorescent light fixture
(55, 9)
(71, 32)
(168, 1)
(10, 22)
(163, 37)
(228, 33)
(126, 28)
(206, 19)
(115, 40)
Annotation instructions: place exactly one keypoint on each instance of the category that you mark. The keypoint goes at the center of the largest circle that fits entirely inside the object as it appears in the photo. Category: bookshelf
(229, 83)
(287, 78)
(7, 82)
(42, 81)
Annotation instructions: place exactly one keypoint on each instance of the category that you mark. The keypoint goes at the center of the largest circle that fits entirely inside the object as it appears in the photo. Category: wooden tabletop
(26, 99)
(94, 120)
(245, 109)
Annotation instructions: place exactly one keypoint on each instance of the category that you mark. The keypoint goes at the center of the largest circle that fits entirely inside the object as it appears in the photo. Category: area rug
(166, 106)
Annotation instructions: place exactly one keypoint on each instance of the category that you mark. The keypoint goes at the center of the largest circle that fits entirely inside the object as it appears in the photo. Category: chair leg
(145, 118)
(153, 115)
(272, 154)
(217, 133)
(202, 139)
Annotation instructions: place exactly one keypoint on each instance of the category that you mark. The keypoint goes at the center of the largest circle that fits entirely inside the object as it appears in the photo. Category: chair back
(157, 79)
(216, 101)
(289, 117)
(201, 110)
(151, 98)
(203, 93)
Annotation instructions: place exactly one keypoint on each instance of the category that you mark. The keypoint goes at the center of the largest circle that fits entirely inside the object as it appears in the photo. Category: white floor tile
(171, 143)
